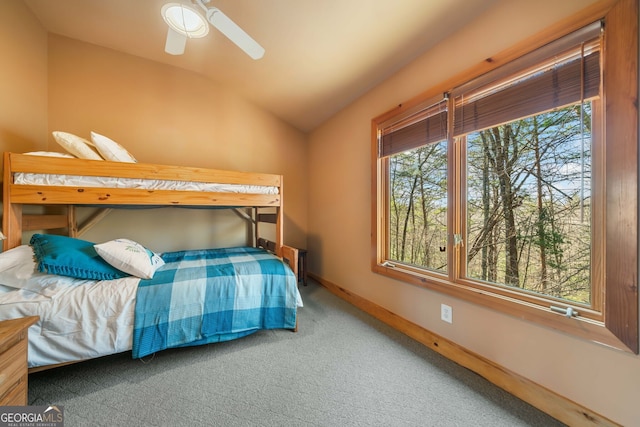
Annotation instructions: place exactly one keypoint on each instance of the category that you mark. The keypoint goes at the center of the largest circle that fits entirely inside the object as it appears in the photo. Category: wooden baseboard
(555, 405)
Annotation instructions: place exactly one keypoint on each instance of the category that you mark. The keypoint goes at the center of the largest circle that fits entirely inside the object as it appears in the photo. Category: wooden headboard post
(280, 221)
(12, 217)
(256, 228)
(72, 224)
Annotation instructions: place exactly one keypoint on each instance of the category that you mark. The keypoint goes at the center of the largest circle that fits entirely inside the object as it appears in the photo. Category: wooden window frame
(617, 237)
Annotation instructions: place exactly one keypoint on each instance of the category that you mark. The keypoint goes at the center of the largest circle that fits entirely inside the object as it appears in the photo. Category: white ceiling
(320, 54)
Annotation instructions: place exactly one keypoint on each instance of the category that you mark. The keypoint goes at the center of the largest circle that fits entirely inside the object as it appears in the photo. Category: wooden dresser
(13, 360)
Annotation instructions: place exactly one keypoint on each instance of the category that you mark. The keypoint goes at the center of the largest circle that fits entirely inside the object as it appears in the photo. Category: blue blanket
(212, 295)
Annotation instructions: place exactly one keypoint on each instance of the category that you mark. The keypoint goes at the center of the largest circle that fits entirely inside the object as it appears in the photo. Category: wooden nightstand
(13, 360)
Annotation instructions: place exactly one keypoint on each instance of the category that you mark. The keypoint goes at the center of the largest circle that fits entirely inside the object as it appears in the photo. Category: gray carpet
(343, 368)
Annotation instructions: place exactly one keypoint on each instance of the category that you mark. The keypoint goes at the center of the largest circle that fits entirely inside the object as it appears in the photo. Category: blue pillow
(67, 256)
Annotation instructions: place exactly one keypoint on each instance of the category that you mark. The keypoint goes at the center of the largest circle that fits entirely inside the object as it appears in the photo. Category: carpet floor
(342, 368)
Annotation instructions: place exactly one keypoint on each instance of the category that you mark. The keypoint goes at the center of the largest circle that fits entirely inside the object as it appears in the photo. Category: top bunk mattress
(33, 179)
(62, 180)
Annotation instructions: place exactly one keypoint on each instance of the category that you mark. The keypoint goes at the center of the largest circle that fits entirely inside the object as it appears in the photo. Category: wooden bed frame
(15, 196)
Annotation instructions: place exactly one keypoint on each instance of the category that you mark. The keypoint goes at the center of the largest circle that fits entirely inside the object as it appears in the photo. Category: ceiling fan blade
(176, 42)
(235, 33)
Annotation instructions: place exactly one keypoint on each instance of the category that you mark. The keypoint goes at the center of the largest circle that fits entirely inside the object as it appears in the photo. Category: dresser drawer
(13, 371)
(10, 342)
(17, 393)
(14, 377)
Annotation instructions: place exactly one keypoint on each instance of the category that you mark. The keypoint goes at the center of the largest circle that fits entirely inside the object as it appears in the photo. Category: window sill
(581, 327)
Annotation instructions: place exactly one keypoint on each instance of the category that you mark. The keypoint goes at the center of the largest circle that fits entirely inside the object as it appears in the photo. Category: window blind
(561, 73)
(427, 125)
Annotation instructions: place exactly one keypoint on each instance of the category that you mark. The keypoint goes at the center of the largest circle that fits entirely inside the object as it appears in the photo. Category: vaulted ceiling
(320, 54)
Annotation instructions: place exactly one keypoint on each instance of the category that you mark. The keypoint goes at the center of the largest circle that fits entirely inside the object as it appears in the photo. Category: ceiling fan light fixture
(185, 20)
(185, 23)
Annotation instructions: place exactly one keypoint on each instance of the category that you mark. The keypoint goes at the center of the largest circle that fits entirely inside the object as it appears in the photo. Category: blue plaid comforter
(212, 295)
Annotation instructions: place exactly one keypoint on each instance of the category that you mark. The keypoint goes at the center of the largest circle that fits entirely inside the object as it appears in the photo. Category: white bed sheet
(105, 326)
(146, 184)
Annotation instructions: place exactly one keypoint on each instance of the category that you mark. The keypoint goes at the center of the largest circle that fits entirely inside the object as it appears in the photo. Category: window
(529, 205)
(526, 137)
(500, 190)
(417, 149)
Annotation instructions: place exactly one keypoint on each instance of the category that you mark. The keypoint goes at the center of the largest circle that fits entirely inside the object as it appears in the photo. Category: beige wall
(23, 79)
(161, 114)
(605, 380)
(166, 115)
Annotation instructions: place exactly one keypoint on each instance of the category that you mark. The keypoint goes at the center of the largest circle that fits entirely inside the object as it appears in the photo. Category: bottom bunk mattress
(197, 297)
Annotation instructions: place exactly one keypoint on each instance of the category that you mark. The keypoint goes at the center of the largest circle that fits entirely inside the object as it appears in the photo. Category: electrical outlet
(446, 313)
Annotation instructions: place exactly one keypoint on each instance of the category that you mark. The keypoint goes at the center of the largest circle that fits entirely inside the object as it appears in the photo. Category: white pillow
(130, 257)
(19, 255)
(111, 150)
(75, 145)
(18, 270)
(50, 154)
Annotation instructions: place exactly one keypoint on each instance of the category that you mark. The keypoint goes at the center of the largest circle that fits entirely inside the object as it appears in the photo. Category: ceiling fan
(185, 23)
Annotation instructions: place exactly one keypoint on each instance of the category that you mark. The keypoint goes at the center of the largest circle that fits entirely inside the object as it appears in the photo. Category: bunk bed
(68, 183)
